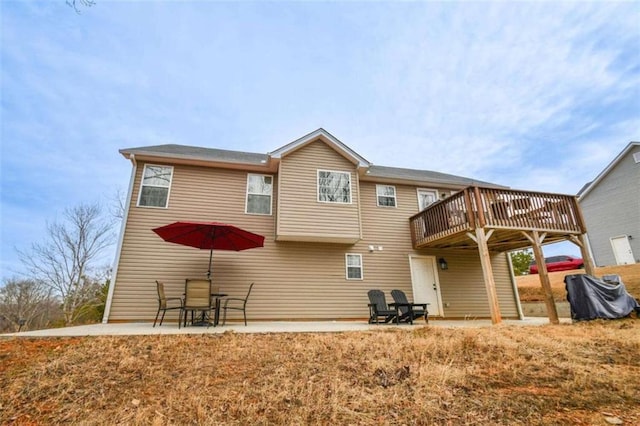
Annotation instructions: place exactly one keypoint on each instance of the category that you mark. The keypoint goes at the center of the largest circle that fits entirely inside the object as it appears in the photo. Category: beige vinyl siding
(197, 194)
(294, 280)
(462, 285)
(301, 216)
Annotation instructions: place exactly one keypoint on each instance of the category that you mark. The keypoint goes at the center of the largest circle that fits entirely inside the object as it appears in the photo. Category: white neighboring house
(611, 208)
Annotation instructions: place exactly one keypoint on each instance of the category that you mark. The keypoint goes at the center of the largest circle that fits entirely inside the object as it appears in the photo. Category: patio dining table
(216, 312)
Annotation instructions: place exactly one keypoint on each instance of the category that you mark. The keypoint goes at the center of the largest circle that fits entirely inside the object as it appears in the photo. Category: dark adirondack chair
(408, 310)
(378, 308)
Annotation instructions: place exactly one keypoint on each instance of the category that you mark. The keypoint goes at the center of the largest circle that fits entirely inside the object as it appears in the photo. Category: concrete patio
(133, 329)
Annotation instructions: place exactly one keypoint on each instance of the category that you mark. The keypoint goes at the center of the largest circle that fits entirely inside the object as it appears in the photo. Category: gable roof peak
(589, 186)
(326, 137)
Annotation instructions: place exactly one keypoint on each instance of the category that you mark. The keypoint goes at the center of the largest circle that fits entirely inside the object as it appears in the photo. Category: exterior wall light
(443, 264)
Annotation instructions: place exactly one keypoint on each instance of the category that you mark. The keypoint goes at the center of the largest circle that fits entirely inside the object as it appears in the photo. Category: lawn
(584, 373)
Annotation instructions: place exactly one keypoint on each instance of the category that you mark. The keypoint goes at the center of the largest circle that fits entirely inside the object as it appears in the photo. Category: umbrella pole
(210, 258)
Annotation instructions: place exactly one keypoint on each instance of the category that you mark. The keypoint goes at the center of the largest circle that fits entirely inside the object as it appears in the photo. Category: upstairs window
(334, 187)
(259, 190)
(386, 195)
(154, 189)
(354, 266)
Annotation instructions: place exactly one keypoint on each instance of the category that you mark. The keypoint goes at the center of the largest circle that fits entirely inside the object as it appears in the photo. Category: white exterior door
(426, 197)
(622, 250)
(426, 287)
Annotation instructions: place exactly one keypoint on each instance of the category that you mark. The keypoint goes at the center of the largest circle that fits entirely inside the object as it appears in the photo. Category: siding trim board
(301, 271)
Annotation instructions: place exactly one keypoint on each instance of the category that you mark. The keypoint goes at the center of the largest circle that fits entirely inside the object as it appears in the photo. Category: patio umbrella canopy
(210, 236)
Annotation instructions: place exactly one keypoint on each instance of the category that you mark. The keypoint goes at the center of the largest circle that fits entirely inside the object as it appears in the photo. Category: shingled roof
(424, 176)
(184, 152)
(198, 153)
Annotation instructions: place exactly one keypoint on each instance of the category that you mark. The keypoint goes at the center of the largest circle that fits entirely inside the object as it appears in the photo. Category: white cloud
(534, 95)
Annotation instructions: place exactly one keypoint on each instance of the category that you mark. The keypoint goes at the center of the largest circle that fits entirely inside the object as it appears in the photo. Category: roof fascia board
(412, 182)
(269, 166)
(607, 169)
(327, 138)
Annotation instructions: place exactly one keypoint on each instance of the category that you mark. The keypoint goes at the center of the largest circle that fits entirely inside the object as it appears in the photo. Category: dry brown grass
(564, 374)
(530, 289)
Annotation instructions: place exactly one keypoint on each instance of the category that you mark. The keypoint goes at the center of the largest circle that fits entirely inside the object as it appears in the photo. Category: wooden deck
(500, 220)
(505, 215)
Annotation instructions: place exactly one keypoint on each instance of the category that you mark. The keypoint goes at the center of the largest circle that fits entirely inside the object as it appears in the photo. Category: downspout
(514, 285)
(116, 261)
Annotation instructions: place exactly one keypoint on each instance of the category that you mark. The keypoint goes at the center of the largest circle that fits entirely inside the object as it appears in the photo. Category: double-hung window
(334, 187)
(386, 195)
(354, 266)
(154, 189)
(259, 192)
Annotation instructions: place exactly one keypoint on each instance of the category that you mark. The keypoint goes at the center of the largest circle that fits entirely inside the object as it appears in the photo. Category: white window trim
(318, 186)
(246, 197)
(346, 267)
(142, 185)
(419, 190)
(395, 196)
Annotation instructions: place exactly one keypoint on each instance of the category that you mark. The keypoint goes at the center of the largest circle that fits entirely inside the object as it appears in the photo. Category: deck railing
(496, 208)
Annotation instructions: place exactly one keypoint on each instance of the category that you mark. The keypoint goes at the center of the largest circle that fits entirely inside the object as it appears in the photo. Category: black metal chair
(166, 303)
(197, 298)
(241, 305)
(378, 308)
(408, 310)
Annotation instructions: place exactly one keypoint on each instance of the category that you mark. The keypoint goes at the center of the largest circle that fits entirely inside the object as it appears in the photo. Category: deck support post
(582, 242)
(536, 241)
(487, 272)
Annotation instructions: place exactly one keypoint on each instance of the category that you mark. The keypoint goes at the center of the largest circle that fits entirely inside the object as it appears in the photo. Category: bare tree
(118, 203)
(26, 304)
(76, 3)
(64, 260)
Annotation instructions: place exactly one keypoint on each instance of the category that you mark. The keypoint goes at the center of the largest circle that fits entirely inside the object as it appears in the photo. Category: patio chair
(241, 305)
(166, 303)
(197, 298)
(409, 311)
(378, 308)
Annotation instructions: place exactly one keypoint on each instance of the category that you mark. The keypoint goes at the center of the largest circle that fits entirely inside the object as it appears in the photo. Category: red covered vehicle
(558, 263)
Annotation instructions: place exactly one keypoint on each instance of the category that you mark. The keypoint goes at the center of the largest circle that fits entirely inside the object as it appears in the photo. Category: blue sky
(533, 95)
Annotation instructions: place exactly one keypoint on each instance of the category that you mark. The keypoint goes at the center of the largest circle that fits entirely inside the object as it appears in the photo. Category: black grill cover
(591, 298)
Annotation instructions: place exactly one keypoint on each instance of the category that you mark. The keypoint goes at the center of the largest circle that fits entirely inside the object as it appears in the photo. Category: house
(335, 226)
(611, 209)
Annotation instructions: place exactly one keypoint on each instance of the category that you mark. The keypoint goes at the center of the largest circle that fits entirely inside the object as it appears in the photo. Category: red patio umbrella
(210, 236)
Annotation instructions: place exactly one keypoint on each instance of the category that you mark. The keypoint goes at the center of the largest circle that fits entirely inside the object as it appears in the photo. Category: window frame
(318, 171)
(359, 267)
(395, 196)
(247, 193)
(143, 185)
